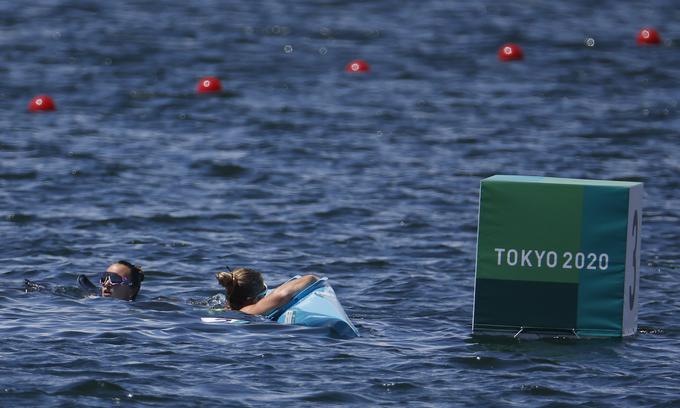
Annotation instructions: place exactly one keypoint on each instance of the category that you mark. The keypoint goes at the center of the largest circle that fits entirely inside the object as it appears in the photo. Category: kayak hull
(316, 306)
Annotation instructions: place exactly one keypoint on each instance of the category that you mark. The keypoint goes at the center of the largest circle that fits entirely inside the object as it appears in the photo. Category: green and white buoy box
(557, 256)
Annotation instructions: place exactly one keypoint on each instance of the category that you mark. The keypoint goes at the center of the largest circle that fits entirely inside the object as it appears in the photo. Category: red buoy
(209, 85)
(357, 66)
(648, 36)
(41, 103)
(510, 52)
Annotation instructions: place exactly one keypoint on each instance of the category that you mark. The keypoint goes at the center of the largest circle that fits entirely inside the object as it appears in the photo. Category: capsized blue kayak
(316, 306)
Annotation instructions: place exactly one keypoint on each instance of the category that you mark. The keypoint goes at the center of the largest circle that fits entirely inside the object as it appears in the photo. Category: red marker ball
(41, 103)
(648, 36)
(510, 52)
(209, 85)
(357, 66)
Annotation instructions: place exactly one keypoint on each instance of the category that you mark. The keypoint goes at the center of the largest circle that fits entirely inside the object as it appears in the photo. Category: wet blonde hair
(242, 285)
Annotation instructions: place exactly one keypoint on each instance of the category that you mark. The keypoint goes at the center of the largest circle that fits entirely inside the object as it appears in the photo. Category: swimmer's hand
(279, 296)
(32, 286)
(86, 285)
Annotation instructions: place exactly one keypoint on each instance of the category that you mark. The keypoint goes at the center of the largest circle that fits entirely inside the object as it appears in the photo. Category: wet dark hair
(137, 274)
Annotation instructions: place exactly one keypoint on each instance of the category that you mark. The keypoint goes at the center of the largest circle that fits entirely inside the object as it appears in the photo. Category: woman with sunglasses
(122, 280)
(247, 292)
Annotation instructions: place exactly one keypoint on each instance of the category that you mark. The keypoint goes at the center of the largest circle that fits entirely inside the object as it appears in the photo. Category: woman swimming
(247, 292)
(122, 280)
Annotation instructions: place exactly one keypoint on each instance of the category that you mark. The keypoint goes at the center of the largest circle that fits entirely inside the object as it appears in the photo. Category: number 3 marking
(632, 289)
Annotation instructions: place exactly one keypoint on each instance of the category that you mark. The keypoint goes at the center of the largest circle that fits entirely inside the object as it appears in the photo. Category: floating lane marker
(209, 84)
(648, 36)
(41, 103)
(510, 52)
(357, 66)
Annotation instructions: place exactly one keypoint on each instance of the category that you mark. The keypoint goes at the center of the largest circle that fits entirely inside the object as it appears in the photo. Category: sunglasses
(114, 278)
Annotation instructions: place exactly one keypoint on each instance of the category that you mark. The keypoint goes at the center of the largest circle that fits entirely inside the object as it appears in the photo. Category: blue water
(371, 180)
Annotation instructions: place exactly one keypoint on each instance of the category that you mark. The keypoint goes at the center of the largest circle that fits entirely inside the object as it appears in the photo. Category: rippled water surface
(298, 167)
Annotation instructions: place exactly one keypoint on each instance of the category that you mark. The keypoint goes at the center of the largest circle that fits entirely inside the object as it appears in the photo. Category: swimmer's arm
(280, 296)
